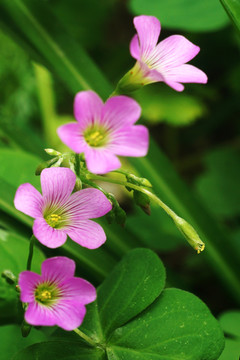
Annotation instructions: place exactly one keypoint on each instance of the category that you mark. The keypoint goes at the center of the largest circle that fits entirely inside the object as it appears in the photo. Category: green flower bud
(25, 328)
(190, 234)
(78, 185)
(117, 214)
(138, 180)
(45, 164)
(143, 201)
(9, 276)
(52, 152)
(120, 216)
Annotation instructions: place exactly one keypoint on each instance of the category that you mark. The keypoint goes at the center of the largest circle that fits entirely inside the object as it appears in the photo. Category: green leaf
(230, 322)
(232, 8)
(13, 257)
(221, 193)
(61, 350)
(185, 15)
(12, 340)
(176, 326)
(133, 285)
(129, 320)
(40, 30)
(14, 252)
(21, 164)
(231, 350)
(170, 107)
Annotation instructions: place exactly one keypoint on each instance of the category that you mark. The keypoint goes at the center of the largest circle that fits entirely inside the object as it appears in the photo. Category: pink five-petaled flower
(165, 61)
(57, 213)
(103, 131)
(56, 297)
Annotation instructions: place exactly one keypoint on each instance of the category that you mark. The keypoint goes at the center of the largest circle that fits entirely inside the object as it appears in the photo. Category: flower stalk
(85, 337)
(186, 229)
(30, 253)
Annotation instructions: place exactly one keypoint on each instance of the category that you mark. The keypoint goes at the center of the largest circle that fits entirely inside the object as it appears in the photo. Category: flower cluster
(101, 133)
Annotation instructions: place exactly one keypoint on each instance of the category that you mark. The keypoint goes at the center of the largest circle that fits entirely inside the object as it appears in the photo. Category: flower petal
(69, 314)
(135, 47)
(72, 136)
(28, 200)
(175, 85)
(57, 185)
(120, 111)
(87, 108)
(88, 204)
(47, 235)
(28, 281)
(101, 161)
(187, 74)
(148, 30)
(173, 51)
(87, 233)
(40, 315)
(80, 290)
(130, 141)
(58, 269)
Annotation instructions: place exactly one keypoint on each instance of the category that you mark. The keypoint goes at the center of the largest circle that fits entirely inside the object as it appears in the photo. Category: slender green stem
(228, 275)
(85, 337)
(166, 208)
(30, 254)
(183, 226)
(77, 164)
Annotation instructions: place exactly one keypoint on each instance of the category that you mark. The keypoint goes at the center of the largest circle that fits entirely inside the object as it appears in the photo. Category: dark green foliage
(131, 321)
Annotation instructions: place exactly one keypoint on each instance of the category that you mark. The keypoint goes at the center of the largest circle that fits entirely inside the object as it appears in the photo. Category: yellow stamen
(200, 248)
(43, 295)
(95, 138)
(53, 219)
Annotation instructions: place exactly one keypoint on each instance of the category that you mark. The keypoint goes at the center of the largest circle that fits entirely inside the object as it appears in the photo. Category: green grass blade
(232, 8)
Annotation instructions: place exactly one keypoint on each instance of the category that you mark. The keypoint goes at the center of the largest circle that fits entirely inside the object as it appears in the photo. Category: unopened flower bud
(58, 162)
(25, 328)
(133, 80)
(52, 152)
(78, 185)
(45, 164)
(117, 214)
(9, 276)
(138, 180)
(143, 201)
(120, 216)
(190, 234)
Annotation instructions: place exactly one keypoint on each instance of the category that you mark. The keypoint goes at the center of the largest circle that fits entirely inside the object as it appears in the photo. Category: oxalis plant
(131, 315)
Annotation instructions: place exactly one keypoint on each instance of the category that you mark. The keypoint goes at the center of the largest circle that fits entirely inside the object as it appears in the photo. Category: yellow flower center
(43, 295)
(95, 137)
(53, 220)
(47, 293)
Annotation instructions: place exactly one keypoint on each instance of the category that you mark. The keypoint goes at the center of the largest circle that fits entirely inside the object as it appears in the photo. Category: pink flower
(57, 213)
(56, 297)
(165, 61)
(103, 131)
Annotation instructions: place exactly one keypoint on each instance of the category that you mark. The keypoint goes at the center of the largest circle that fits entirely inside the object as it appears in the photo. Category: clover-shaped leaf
(230, 322)
(135, 319)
